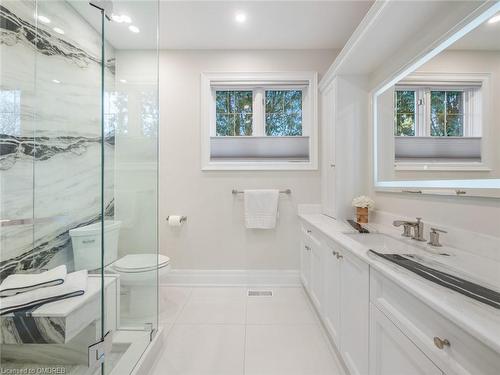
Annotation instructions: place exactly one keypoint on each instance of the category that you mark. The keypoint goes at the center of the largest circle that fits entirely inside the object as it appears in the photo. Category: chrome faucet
(417, 226)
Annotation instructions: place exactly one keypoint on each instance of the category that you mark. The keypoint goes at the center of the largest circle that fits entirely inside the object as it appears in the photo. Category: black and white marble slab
(50, 145)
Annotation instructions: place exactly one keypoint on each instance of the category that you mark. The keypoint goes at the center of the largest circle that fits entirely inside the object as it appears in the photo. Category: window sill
(426, 166)
(259, 165)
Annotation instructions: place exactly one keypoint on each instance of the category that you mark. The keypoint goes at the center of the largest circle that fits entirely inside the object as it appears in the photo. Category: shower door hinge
(152, 331)
(97, 352)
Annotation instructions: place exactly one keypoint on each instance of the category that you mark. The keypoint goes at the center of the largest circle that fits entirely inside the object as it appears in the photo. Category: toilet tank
(86, 243)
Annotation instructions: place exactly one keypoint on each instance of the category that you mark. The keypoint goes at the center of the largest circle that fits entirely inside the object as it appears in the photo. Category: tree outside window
(405, 113)
(283, 112)
(445, 109)
(234, 113)
(447, 114)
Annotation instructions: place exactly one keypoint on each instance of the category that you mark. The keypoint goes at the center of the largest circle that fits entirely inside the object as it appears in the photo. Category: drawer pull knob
(309, 231)
(440, 343)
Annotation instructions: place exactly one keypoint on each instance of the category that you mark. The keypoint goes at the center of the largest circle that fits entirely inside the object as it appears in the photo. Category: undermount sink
(447, 271)
(384, 243)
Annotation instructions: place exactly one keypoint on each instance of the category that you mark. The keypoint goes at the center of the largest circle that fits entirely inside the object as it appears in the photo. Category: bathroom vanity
(384, 319)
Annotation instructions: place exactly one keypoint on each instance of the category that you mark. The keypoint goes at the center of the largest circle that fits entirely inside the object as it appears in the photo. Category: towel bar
(183, 218)
(286, 191)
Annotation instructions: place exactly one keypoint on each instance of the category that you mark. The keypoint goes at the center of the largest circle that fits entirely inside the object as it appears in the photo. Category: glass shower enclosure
(78, 186)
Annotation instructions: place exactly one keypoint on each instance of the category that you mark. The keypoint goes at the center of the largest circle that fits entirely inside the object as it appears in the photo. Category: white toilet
(139, 273)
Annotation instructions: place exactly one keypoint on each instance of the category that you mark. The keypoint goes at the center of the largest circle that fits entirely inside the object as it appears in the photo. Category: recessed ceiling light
(134, 29)
(126, 19)
(116, 18)
(43, 19)
(121, 18)
(123, 80)
(494, 19)
(58, 30)
(56, 81)
(240, 17)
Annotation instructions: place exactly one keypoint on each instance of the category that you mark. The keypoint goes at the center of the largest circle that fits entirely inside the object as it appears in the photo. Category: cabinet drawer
(423, 325)
(392, 353)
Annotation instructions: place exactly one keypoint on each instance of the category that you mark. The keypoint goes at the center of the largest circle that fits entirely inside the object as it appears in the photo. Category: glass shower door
(53, 197)
(78, 184)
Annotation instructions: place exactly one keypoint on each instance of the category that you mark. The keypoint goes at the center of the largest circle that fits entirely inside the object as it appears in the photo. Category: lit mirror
(436, 127)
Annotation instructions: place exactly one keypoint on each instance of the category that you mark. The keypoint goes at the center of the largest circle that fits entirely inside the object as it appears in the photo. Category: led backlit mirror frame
(472, 187)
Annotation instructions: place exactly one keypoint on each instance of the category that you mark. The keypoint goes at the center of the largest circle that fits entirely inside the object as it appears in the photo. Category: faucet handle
(406, 230)
(435, 237)
(435, 230)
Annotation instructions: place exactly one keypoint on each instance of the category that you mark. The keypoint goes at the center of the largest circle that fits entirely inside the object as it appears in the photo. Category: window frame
(258, 83)
(480, 114)
(471, 105)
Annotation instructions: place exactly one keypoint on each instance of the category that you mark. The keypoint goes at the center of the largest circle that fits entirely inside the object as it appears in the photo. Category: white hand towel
(24, 282)
(261, 208)
(74, 285)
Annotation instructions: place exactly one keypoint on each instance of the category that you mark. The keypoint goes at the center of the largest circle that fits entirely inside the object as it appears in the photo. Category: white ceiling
(211, 24)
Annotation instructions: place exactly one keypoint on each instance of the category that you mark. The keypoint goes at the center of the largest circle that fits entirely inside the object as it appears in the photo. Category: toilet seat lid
(141, 262)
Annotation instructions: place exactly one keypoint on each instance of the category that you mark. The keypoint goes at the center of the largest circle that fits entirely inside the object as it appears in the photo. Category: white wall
(214, 236)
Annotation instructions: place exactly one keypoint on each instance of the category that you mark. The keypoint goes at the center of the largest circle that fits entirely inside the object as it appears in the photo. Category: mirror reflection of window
(447, 114)
(115, 113)
(405, 113)
(149, 114)
(10, 112)
(436, 112)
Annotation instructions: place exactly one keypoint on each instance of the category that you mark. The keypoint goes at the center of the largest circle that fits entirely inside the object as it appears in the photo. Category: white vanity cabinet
(378, 325)
(447, 345)
(331, 303)
(312, 266)
(305, 262)
(354, 312)
(338, 285)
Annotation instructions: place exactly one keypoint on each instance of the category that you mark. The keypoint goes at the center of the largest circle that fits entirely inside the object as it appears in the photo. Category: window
(259, 120)
(233, 113)
(283, 112)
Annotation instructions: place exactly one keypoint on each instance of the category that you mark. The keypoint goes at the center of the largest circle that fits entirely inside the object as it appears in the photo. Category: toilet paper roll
(174, 220)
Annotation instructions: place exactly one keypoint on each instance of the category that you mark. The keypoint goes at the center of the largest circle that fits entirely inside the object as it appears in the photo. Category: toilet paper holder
(183, 219)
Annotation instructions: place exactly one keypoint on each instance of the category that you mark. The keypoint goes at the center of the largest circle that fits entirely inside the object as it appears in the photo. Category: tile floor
(222, 331)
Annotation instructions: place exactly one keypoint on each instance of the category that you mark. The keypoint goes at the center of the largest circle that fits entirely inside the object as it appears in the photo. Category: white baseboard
(232, 277)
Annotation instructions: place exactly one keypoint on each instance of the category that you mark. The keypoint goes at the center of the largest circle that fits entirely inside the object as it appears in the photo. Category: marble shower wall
(50, 132)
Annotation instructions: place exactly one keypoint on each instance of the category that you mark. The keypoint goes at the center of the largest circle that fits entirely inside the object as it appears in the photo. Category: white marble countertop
(479, 320)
